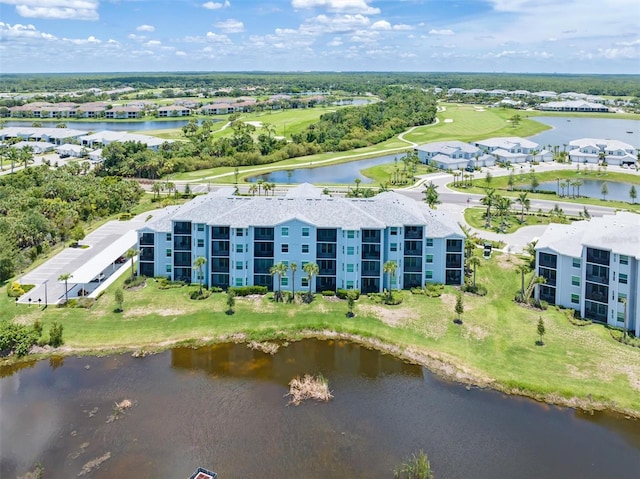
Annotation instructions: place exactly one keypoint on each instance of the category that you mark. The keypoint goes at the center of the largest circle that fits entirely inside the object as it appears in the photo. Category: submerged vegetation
(309, 387)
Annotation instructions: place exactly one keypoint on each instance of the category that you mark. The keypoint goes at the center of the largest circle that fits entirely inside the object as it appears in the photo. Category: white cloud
(629, 44)
(138, 38)
(56, 9)
(180, 53)
(216, 5)
(217, 38)
(230, 26)
(18, 30)
(441, 32)
(153, 43)
(342, 6)
(84, 41)
(338, 23)
(381, 25)
(336, 42)
(146, 28)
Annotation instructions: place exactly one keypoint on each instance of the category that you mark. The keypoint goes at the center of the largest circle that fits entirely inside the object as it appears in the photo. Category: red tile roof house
(91, 111)
(124, 112)
(173, 110)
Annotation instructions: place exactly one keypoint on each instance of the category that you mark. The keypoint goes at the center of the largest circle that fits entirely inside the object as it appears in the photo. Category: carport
(103, 269)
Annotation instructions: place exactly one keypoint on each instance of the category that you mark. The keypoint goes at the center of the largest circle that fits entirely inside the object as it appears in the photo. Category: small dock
(202, 473)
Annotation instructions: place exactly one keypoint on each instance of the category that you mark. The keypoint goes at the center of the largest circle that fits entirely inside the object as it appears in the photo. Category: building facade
(349, 239)
(593, 267)
(596, 150)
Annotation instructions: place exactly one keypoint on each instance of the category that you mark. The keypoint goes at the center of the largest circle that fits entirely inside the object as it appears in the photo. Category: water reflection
(223, 407)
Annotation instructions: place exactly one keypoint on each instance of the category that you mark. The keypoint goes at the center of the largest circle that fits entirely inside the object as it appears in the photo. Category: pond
(223, 408)
(566, 129)
(344, 173)
(108, 125)
(592, 189)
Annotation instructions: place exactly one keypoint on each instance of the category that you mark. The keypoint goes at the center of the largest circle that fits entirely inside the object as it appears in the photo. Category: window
(429, 258)
(350, 250)
(168, 253)
(575, 299)
(575, 280)
(305, 282)
(394, 280)
(200, 243)
(428, 274)
(285, 231)
(394, 247)
(285, 263)
(621, 297)
(393, 231)
(200, 227)
(624, 259)
(349, 267)
(285, 281)
(239, 282)
(305, 231)
(305, 248)
(168, 236)
(576, 262)
(239, 232)
(239, 265)
(621, 316)
(349, 284)
(284, 248)
(351, 234)
(429, 242)
(239, 248)
(168, 268)
(623, 278)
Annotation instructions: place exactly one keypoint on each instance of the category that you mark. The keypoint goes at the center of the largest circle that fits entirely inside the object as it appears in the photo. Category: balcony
(220, 265)
(146, 239)
(326, 235)
(454, 261)
(370, 268)
(413, 232)
(220, 248)
(548, 260)
(549, 275)
(263, 250)
(598, 256)
(182, 228)
(454, 246)
(263, 234)
(370, 251)
(327, 268)
(220, 232)
(182, 243)
(326, 250)
(413, 248)
(596, 292)
(371, 236)
(146, 254)
(182, 259)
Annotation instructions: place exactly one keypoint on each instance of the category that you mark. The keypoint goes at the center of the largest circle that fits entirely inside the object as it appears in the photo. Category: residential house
(514, 149)
(124, 112)
(574, 105)
(453, 155)
(173, 110)
(596, 150)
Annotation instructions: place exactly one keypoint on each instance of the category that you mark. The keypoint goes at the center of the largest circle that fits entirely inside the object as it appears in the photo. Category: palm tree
(198, 263)
(131, 254)
(475, 262)
(431, 195)
(279, 270)
(633, 194)
(504, 205)
(65, 277)
(293, 267)
(156, 188)
(390, 268)
(604, 190)
(252, 189)
(489, 201)
(266, 186)
(522, 269)
(311, 269)
(524, 202)
(578, 184)
(26, 156)
(259, 182)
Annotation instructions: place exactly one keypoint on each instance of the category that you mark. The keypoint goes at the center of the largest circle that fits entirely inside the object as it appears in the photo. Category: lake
(593, 189)
(223, 408)
(566, 129)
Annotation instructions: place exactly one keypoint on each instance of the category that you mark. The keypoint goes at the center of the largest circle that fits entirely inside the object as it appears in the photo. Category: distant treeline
(344, 129)
(352, 82)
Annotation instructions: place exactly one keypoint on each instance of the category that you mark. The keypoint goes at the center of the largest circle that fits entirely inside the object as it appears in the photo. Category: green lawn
(495, 346)
(469, 124)
(475, 217)
(388, 172)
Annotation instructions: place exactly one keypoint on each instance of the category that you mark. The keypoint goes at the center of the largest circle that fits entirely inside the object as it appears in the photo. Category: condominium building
(594, 267)
(349, 239)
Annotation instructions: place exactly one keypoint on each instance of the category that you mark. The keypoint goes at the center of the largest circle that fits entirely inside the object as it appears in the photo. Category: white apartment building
(349, 239)
(594, 267)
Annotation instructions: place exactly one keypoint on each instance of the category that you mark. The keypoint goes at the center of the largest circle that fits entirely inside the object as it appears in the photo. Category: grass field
(475, 217)
(472, 122)
(495, 346)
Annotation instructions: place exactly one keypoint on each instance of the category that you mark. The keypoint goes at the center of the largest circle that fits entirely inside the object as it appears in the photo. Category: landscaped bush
(15, 289)
(55, 334)
(432, 290)
(477, 289)
(343, 293)
(328, 293)
(85, 303)
(17, 339)
(247, 290)
(134, 282)
(618, 335)
(384, 298)
(164, 283)
(125, 216)
(216, 289)
(198, 295)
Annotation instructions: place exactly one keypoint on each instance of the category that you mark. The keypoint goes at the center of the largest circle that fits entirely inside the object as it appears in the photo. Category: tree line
(40, 207)
(345, 129)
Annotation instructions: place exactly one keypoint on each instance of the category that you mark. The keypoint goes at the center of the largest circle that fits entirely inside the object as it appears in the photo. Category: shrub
(55, 334)
(164, 283)
(344, 293)
(216, 289)
(17, 339)
(125, 216)
(247, 290)
(85, 303)
(134, 282)
(416, 467)
(15, 290)
(198, 295)
(328, 293)
(477, 289)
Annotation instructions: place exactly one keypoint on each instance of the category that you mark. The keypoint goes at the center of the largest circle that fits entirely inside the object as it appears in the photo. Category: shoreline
(436, 363)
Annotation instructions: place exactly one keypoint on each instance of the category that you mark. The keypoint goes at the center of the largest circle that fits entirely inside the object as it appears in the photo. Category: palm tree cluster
(260, 186)
(501, 206)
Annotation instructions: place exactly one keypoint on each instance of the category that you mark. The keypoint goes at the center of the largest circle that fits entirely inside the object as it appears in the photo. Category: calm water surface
(566, 129)
(593, 189)
(223, 408)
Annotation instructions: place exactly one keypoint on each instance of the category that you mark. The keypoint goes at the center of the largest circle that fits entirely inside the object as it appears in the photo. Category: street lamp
(29, 302)
(16, 301)
(39, 301)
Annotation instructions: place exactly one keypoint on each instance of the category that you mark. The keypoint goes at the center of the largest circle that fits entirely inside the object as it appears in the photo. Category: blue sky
(564, 36)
